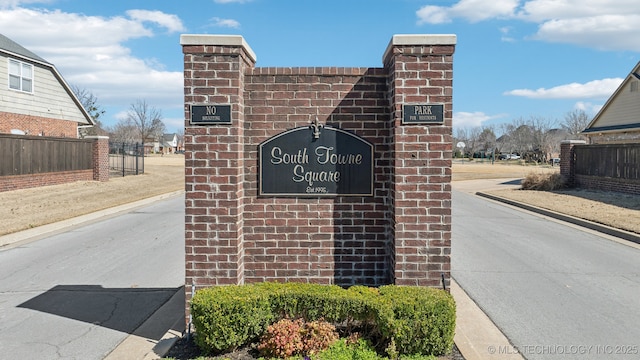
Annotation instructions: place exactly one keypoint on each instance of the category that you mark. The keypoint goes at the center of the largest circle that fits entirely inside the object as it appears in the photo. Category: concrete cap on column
(420, 39)
(217, 40)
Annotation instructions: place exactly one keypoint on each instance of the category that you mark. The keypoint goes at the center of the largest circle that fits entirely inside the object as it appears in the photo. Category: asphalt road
(78, 294)
(556, 292)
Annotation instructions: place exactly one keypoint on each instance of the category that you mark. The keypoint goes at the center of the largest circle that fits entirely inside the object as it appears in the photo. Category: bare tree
(147, 120)
(487, 140)
(123, 131)
(574, 122)
(542, 139)
(90, 104)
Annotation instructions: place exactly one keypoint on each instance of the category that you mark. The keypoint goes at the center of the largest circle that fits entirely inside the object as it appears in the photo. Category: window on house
(634, 86)
(20, 76)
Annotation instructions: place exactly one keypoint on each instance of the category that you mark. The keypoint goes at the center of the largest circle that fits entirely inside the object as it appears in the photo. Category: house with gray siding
(34, 97)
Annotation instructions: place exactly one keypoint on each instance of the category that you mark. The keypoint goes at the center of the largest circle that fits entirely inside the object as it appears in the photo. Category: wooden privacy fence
(24, 155)
(618, 161)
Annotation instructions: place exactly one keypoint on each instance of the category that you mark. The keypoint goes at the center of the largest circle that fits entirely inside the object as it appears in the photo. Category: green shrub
(415, 320)
(344, 350)
(227, 317)
(361, 349)
(425, 319)
(307, 301)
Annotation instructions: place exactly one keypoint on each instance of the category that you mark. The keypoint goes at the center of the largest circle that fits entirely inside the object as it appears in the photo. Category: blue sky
(513, 59)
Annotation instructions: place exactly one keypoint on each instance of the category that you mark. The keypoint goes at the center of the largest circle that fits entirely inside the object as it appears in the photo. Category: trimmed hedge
(228, 317)
(415, 320)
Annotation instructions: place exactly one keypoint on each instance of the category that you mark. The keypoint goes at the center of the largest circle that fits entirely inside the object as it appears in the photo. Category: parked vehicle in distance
(555, 161)
(509, 157)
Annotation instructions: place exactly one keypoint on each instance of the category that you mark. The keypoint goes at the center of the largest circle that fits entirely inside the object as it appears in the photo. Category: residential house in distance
(163, 144)
(619, 119)
(34, 97)
(169, 143)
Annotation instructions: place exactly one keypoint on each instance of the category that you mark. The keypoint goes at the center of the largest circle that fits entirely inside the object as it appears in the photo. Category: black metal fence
(618, 161)
(126, 158)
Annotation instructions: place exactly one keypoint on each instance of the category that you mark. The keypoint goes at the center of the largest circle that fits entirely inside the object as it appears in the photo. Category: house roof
(621, 112)
(14, 49)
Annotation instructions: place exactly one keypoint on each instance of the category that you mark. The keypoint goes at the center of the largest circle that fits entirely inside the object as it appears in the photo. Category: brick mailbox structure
(237, 232)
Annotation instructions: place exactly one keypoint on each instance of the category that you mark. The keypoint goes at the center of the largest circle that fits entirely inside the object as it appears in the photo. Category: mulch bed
(186, 349)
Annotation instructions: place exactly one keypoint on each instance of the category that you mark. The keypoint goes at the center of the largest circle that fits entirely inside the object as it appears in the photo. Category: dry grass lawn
(23, 209)
(27, 208)
(617, 210)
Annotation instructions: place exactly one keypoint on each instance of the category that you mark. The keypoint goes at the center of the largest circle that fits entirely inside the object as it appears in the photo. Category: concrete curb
(57, 227)
(626, 235)
(169, 316)
(477, 337)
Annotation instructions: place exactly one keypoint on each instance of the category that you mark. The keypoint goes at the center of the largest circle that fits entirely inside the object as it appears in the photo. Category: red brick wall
(608, 184)
(421, 165)
(567, 161)
(100, 157)
(400, 235)
(37, 126)
(214, 167)
(341, 240)
(8, 183)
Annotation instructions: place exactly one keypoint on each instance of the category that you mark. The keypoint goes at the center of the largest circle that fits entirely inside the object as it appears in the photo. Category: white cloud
(603, 32)
(89, 52)
(433, 15)
(598, 24)
(463, 119)
(7, 4)
(506, 31)
(596, 89)
(229, 23)
(169, 21)
(544, 10)
(588, 107)
(472, 10)
(603, 25)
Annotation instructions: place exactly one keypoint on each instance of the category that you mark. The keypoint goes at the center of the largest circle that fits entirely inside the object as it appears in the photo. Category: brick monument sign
(327, 175)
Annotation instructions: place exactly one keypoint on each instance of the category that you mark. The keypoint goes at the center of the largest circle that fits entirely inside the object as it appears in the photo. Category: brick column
(420, 69)
(568, 161)
(214, 70)
(100, 157)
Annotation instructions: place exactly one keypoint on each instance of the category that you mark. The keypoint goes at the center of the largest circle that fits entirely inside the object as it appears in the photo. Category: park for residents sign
(423, 114)
(316, 161)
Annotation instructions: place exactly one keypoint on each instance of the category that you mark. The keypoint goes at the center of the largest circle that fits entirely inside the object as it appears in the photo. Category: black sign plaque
(314, 161)
(210, 114)
(423, 114)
